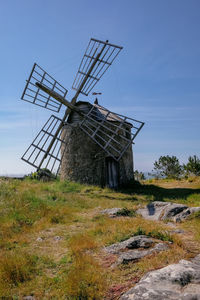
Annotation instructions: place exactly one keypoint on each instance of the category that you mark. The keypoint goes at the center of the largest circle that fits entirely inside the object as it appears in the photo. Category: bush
(160, 235)
(139, 175)
(193, 165)
(125, 212)
(168, 166)
(43, 175)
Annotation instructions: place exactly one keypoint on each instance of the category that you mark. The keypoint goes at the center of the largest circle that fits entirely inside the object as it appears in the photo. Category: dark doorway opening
(112, 173)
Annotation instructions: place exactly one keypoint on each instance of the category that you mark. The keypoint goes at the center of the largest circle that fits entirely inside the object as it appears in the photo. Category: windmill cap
(104, 113)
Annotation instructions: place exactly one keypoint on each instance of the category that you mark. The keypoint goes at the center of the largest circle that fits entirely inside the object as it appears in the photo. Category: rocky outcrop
(175, 282)
(135, 248)
(186, 213)
(119, 212)
(158, 210)
(135, 242)
(111, 212)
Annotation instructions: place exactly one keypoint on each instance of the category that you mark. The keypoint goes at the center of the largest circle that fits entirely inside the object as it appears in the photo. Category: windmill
(85, 128)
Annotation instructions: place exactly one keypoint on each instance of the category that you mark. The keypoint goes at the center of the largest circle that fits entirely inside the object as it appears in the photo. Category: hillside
(53, 237)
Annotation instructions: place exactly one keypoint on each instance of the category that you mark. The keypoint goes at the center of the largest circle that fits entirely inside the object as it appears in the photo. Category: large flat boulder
(153, 210)
(158, 210)
(179, 281)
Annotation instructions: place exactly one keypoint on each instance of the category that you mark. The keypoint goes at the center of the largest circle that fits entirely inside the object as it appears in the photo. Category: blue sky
(156, 77)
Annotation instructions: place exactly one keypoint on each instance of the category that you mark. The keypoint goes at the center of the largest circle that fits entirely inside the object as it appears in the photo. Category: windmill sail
(108, 52)
(113, 132)
(34, 95)
(37, 151)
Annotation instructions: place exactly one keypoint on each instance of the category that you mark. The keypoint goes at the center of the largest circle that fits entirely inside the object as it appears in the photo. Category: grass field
(52, 236)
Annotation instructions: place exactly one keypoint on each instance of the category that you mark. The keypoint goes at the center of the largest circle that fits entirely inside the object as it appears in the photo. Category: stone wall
(126, 167)
(84, 161)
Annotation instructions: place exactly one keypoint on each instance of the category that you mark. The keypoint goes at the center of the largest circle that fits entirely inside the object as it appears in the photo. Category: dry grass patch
(80, 243)
(86, 279)
(111, 230)
(191, 238)
(16, 267)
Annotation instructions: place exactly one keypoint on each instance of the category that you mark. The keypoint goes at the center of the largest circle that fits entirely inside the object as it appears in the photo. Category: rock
(139, 241)
(158, 210)
(185, 214)
(153, 210)
(175, 282)
(171, 224)
(177, 231)
(111, 211)
(39, 239)
(28, 298)
(134, 255)
(172, 210)
(191, 292)
(57, 238)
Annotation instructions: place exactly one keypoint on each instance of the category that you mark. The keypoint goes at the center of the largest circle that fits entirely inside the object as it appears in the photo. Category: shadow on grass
(156, 193)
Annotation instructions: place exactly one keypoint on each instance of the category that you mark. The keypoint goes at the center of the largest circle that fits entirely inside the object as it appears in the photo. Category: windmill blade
(113, 132)
(34, 95)
(108, 52)
(38, 156)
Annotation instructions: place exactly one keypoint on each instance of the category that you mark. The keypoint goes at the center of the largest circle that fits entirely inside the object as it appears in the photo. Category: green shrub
(42, 174)
(125, 212)
(160, 235)
(56, 219)
(140, 231)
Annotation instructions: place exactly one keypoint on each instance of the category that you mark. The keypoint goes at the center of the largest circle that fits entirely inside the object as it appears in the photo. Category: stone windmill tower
(90, 144)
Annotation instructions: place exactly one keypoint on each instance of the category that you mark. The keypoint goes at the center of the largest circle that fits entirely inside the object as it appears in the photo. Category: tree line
(170, 167)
